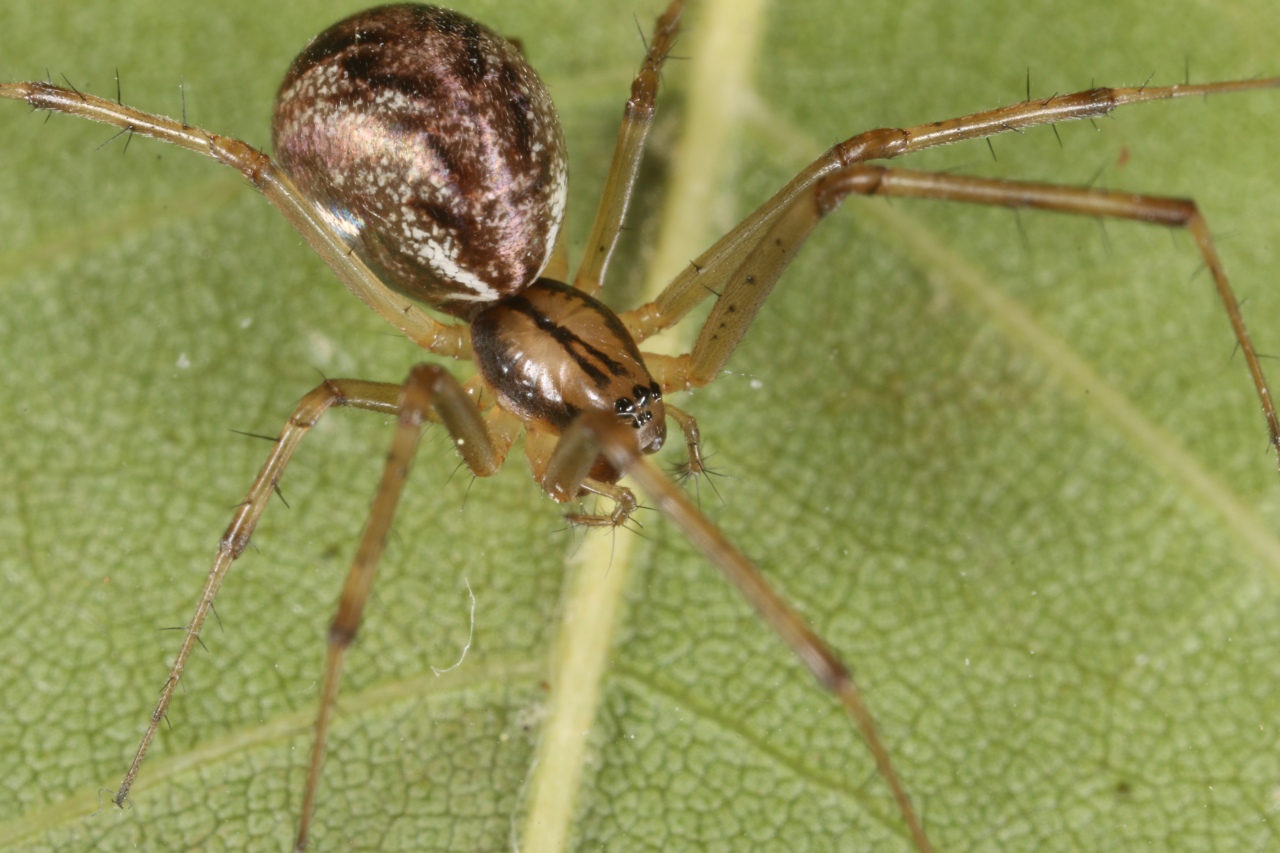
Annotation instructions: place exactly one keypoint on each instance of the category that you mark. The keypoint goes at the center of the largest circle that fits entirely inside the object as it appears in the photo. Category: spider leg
(596, 433)
(637, 118)
(1158, 210)
(695, 464)
(624, 504)
(262, 172)
(373, 396)
(743, 267)
(541, 449)
(762, 245)
(446, 401)
(428, 393)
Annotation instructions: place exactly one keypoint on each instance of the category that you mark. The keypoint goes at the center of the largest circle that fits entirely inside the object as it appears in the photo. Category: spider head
(644, 412)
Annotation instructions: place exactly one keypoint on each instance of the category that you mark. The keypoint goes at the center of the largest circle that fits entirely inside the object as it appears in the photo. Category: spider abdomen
(428, 141)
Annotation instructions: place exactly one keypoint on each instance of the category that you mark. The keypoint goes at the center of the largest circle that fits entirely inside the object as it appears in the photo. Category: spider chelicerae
(886, 389)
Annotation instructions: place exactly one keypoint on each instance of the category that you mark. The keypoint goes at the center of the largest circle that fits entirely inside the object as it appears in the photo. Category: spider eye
(624, 406)
(642, 395)
(656, 391)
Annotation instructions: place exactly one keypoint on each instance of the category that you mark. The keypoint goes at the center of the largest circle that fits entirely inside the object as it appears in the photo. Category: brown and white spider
(896, 397)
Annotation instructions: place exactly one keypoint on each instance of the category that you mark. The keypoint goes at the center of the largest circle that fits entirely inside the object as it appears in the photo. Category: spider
(886, 388)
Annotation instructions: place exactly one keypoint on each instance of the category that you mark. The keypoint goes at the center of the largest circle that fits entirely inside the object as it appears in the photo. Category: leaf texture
(1010, 469)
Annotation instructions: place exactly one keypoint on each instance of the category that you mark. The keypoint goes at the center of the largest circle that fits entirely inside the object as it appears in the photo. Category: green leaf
(1020, 482)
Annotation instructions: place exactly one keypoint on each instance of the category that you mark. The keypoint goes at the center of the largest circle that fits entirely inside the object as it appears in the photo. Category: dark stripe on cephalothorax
(570, 343)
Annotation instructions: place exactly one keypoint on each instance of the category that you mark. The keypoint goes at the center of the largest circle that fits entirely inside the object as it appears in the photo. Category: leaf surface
(1017, 478)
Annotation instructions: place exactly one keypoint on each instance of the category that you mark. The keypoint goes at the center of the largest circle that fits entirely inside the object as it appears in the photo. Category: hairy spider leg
(743, 266)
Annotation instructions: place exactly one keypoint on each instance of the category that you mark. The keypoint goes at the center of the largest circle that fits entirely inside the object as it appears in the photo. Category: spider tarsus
(587, 520)
(625, 504)
(684, 472)
(687, 471)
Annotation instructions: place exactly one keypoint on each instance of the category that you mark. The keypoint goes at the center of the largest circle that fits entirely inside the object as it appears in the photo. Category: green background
(1069, 639)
